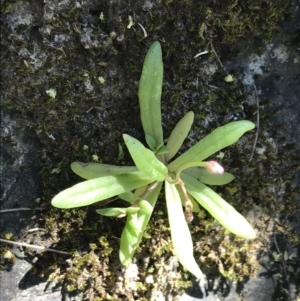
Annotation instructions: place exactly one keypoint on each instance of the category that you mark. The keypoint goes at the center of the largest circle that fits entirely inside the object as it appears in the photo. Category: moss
(7, 259)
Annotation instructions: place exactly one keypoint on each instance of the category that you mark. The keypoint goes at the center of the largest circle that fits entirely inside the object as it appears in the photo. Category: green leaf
(223, 212)
(212, 143)
(180, 233)
(95, 170)
(179, 134)
(140, 190)
(150, 87)
(207, 178)
(145, 160)
(99, 189)
(135, 226)
(128, 197)
(151, 142)
(115, 211)
(162, 150)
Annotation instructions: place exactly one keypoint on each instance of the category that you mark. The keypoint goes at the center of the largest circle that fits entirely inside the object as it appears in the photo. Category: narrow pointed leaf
(135, 226)
(179, 134)
(162, 150)
(99, 189)
(115, 211)
(223, 212)
(150, 87)
(95, 170)
(145, 160)
(128, 197)
(180, 233)
(212, 143)
(151, 142)
(207, 178)
(140, 190)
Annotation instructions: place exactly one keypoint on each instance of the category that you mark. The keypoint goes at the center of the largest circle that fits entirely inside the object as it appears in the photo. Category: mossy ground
(68, 48)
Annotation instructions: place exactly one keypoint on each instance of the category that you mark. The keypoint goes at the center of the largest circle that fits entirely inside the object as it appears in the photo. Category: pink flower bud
(214, 167)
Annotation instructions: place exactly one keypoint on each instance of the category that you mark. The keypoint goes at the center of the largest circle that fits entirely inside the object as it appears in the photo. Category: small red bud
(214, 167)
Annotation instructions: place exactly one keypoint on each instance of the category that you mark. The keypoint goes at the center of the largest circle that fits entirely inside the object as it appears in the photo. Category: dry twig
(23, 244)
(20, 209)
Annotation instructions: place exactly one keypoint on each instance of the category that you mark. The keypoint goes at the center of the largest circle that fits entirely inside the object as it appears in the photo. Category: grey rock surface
(21, 183)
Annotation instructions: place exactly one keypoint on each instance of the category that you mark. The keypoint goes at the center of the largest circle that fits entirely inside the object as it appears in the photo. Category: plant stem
(144, 195)
(23, 244)
(188, 204)
(185, 166)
